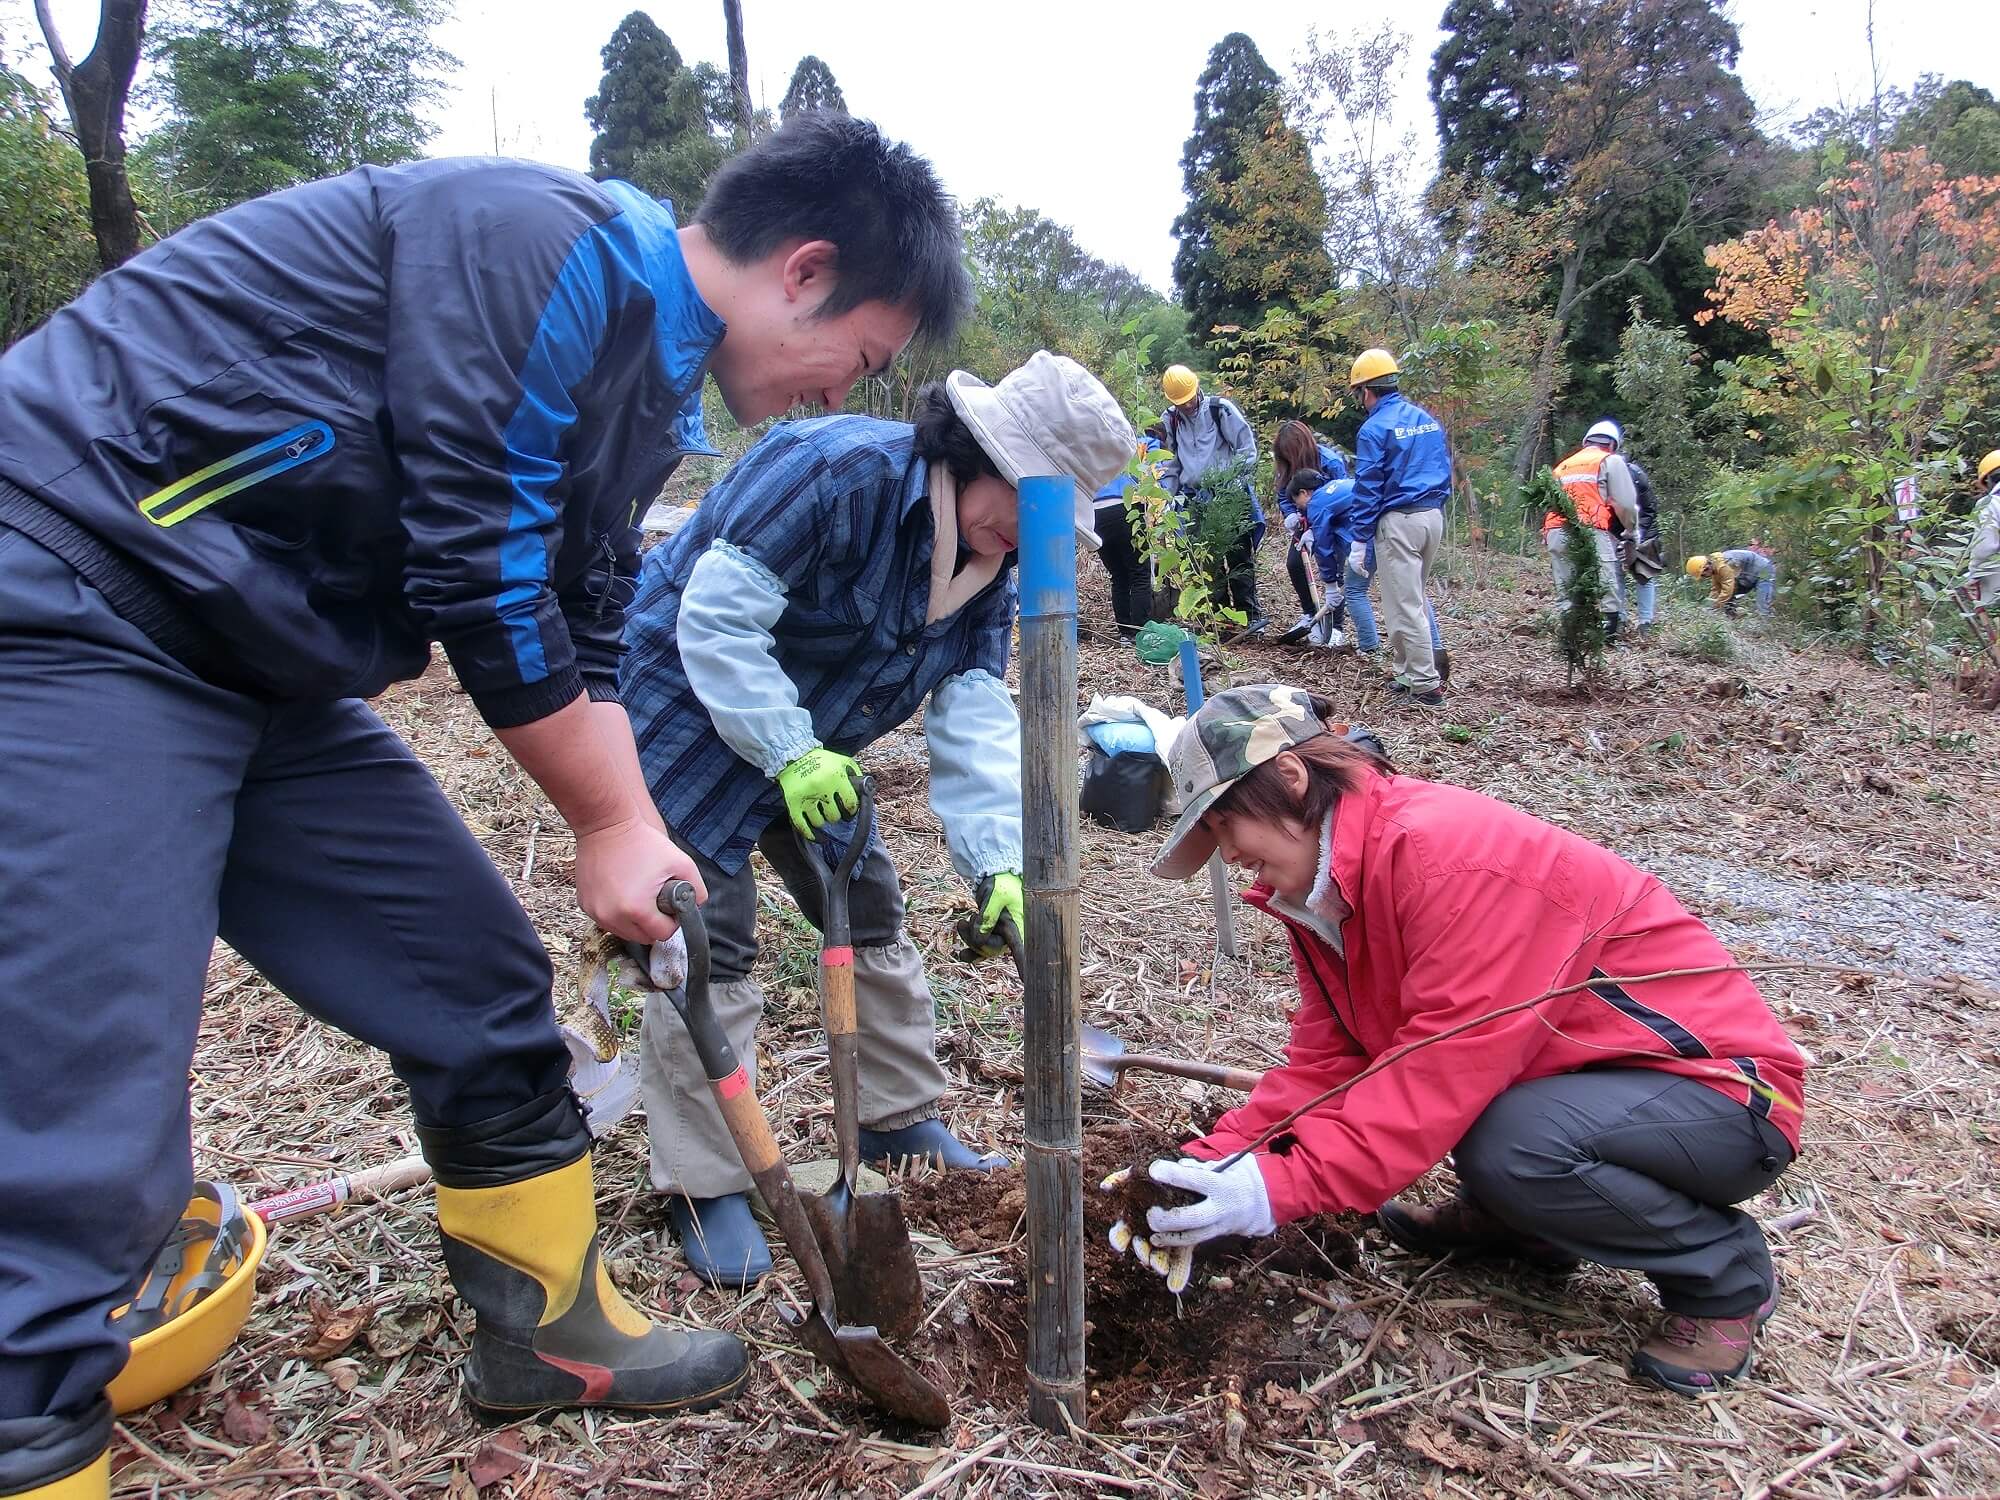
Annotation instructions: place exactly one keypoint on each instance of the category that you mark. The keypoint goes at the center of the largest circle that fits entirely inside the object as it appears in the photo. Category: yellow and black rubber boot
(57, 1457)
(517, 1214)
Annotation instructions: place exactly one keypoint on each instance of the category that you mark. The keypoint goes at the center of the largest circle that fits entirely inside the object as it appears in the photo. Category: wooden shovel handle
(1241, 1079)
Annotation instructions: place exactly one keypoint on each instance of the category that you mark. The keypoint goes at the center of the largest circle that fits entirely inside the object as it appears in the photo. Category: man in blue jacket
(245, 481)
(1402, 478)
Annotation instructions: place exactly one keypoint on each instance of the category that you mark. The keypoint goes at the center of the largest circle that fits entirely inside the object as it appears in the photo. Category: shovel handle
(835, 931)
(836, 979)
(741, 1112)
(1243, 1080)
(1011, 935)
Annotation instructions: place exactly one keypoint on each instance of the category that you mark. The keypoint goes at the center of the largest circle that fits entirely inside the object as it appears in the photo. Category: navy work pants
(143, 812)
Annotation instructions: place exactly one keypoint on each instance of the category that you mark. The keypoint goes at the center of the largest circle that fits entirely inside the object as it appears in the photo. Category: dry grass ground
(1777, 789)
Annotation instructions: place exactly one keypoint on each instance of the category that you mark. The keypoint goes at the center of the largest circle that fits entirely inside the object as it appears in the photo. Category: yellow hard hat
(1180, 383)
(194, 1300)
(1989, 464)
(1697, 567)
(1371, 364)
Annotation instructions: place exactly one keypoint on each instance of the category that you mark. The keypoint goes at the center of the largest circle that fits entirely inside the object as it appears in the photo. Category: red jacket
(1460, 905)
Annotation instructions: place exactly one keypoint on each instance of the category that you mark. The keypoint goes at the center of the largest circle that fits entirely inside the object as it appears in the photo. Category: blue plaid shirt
(837, 510)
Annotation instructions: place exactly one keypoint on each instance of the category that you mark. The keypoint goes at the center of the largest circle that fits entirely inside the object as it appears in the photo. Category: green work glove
(819, 789)
(1000, 895)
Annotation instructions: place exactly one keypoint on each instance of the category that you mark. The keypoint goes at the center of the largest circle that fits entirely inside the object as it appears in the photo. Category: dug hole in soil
(1232, 1327)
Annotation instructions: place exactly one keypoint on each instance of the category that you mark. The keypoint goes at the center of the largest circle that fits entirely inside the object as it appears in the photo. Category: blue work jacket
(1400, 463)
(1330, 518)
(300, 440)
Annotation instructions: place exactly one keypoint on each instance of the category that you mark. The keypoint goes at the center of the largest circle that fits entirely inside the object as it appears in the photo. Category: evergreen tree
(1582, 636)
(812, 87)
(1250, 236)
(1622, 121)
(657, 119)
(640, 102)
(264, 94)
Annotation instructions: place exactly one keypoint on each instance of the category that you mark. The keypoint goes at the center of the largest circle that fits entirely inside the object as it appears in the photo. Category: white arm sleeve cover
(974, 737)
(727, 611)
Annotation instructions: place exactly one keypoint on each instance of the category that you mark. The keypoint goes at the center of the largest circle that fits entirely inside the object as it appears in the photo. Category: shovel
(1104, 1055)
(864, 1237)
(855, 1352)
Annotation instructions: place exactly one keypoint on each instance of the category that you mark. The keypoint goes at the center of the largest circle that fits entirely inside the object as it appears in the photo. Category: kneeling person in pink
(1590, 1114)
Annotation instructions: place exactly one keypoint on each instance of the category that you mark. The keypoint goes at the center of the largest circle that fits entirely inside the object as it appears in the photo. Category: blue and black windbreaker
(299, 441)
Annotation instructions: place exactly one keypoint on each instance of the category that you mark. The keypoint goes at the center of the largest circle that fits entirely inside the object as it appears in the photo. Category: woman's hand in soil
(1233, 1201)
(1176, 1265)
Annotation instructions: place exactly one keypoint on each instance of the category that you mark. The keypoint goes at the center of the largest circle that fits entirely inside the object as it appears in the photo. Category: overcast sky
(1075, 107)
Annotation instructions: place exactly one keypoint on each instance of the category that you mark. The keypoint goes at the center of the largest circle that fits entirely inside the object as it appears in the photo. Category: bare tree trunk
(739, 66)
(94, 91)
(1535, 426)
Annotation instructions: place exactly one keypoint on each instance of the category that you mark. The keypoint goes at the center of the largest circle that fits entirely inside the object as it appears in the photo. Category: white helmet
(1608, 431)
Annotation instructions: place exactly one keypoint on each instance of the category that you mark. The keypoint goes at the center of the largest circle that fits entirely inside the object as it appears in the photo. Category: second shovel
(865, 1237)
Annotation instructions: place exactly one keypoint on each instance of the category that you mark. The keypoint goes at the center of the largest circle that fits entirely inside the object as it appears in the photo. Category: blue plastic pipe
(1048, 550)
(1191, 675)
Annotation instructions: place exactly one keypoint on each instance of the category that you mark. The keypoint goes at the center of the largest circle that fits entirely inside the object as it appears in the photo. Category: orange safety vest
(1578, 475)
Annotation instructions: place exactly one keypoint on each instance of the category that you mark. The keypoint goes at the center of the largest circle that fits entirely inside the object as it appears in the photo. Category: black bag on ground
(1126, 791)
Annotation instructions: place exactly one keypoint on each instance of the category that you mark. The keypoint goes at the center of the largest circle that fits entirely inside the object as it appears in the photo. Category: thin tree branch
(59, 57)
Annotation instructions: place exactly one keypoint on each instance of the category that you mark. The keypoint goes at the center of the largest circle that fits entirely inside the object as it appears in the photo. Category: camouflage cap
(1233, 732)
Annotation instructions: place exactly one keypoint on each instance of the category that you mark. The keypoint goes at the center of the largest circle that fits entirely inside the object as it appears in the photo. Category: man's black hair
(1305, 481)
(943, 437)
(829, 176)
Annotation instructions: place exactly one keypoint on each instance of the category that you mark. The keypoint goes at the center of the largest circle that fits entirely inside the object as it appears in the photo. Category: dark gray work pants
(1634, 1168)
(142, 812)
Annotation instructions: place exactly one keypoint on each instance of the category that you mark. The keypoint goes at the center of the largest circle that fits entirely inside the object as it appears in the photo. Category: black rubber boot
(517, 1214)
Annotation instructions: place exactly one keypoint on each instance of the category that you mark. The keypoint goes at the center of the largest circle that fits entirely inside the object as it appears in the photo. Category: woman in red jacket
(1601, 1103)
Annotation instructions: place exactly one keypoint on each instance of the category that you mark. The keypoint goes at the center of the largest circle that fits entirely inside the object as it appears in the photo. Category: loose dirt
(1229, 1330)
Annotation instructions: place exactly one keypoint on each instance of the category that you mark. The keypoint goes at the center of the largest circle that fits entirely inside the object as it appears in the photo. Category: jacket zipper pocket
(205, 487)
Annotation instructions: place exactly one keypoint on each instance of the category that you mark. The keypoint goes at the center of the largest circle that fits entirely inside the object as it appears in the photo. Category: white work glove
(1175, 1265)
(1234, 1201)
(1357, 558)
(603, 1082)
(1293, 521)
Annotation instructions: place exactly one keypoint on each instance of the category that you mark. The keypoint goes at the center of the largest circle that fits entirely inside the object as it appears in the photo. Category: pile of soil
(1232, 1326)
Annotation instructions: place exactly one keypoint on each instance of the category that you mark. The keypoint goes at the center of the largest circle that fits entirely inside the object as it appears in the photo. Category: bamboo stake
(1218, 878)
(1052, 1095)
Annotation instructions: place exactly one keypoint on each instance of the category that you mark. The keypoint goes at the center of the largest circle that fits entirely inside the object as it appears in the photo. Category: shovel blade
(865, 1242)
(1100, 1051)
(878, 1372)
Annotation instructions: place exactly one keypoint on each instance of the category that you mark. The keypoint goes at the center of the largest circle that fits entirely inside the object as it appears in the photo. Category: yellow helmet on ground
(193, 1301)
(1989, 465)
(1180, 383)
(1697, 567)
(1371, 364)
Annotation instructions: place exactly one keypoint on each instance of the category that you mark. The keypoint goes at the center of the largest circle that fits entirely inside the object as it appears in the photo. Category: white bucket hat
(1051, 416)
